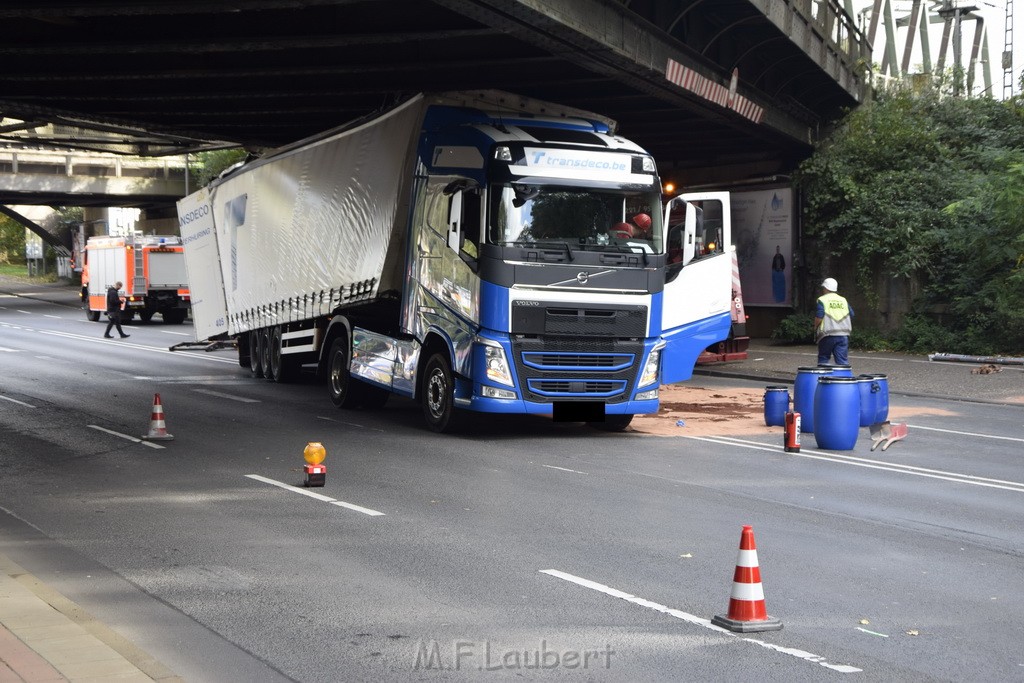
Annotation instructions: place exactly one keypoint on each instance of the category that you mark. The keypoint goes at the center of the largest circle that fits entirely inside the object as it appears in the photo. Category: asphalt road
(522, 548)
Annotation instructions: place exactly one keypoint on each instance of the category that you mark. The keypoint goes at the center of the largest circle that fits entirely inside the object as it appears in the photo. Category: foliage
(929, 188)
(797, 328)
(206, 166)
(12, 241)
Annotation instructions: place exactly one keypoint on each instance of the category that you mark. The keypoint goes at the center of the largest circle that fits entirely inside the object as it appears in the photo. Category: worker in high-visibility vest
(833, 323)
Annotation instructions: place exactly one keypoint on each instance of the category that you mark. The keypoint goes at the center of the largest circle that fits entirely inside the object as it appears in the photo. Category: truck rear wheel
(264, 344)
(90, 314)
(255, 354)
(438, 395)
(345, 391)
(145, 316)
(175, 316)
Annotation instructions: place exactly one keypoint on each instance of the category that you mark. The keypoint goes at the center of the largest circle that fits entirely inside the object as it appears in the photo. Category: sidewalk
(46, 637)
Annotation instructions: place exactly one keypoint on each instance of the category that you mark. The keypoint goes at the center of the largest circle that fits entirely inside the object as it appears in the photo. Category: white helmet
(830, 284)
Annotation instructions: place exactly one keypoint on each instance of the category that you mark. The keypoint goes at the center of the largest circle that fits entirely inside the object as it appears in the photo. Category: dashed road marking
(699, 621)
(317, 496)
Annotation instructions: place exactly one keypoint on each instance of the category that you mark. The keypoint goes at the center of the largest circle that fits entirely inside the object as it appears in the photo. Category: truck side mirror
(690, 233)
(454, 220)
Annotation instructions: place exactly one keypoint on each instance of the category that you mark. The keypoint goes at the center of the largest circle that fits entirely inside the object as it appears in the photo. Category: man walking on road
(833, 323)
(114, 310)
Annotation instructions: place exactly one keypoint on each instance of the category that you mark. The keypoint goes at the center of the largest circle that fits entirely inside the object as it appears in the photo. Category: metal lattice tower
(1008, 52)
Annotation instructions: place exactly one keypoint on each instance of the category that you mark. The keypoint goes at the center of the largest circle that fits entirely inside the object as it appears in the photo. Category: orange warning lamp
(314, 453)
(316, 474)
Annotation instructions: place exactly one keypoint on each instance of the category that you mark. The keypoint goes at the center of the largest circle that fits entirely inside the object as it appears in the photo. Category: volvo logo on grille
(582, 277)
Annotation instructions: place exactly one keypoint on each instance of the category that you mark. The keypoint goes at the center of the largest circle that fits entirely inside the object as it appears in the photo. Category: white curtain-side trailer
(476, 251)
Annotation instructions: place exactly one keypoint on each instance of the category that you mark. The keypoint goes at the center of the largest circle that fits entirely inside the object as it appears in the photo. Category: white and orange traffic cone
(747, 611)
(157, 428)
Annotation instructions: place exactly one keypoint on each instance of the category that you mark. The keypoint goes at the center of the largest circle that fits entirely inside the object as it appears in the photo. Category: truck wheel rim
(436, 389)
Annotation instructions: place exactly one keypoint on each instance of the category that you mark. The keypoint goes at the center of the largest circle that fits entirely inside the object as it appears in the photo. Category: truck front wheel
(345, 391)
(438, 395)
(90, 314)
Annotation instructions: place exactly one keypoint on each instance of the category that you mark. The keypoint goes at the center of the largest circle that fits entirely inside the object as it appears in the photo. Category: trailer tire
(244, 354)
(255, 354)
(264, 343)
(345, 391)
(282, 366)
(438, 395)
(613, 423)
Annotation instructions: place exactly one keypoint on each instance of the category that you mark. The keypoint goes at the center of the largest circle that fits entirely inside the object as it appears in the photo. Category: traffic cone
(747, 611)
(157, 428)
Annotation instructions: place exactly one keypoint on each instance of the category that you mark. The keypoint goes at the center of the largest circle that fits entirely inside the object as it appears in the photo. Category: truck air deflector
(684, 344)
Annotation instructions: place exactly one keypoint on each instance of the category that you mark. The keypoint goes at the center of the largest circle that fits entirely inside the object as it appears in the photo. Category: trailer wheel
(438, 395)
(264, 344)
(345, 391)
(613, 423)
(282, 366)
(244, 353)
(255, 354)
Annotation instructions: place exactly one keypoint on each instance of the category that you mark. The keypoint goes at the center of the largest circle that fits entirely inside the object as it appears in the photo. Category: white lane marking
(140, 347)
(317, 496)
(218, 394)
(25, 312)
(20, 403)
(125, 436)
(563, 469)
(7, 350)
(179, 334)
(980, 436)
(839, 459)
(55, 317)
(692, 619)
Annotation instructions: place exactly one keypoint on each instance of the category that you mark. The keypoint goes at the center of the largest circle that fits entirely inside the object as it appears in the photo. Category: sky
(994, 14)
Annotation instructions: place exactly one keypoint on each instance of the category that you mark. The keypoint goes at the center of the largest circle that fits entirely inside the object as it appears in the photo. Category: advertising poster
(762, 230)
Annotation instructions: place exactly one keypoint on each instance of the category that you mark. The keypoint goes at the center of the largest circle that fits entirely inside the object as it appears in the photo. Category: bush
(797, 328)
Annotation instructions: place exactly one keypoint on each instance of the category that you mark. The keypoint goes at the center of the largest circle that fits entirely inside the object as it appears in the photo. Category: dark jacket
(113, 301)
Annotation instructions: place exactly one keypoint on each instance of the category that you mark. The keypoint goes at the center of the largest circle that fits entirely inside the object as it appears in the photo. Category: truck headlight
(495, 362)
(650, 373)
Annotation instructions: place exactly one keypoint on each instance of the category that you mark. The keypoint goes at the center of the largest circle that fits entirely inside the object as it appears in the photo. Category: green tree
(205, 166)
(929, 188)
(12, 240)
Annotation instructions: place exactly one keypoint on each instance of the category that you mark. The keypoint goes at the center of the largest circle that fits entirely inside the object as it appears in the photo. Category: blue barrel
(776, 405)
(882, 398)
(803, 395)
(868, 387)
(837, 413)
(838, 370)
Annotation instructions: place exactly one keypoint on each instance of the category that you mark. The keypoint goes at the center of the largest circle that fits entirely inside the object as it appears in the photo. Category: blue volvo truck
(475, 251)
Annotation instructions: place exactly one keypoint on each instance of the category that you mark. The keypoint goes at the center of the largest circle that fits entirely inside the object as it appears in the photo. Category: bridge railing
(92, 165)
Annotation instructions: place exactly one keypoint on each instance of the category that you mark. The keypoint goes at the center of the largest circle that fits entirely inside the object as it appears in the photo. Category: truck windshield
(579, 217)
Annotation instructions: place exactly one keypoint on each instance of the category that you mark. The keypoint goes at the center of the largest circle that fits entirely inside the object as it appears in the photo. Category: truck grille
(577, 369)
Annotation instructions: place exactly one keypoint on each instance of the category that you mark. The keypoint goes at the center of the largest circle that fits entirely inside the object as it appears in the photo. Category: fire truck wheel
(145, 316)
(94, 316)
(345, 391)
(613, 423)
(438, 395)
(255, 354)
(175, 316)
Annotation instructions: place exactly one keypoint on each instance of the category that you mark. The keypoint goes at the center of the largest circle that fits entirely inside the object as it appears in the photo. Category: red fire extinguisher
(792, 433)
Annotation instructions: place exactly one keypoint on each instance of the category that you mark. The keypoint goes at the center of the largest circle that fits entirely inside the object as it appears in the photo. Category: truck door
(695, 309)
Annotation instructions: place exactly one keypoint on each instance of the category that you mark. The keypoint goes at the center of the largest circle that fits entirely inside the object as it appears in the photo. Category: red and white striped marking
(704, 87)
